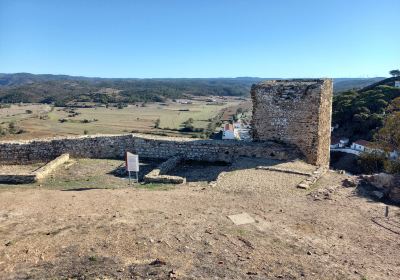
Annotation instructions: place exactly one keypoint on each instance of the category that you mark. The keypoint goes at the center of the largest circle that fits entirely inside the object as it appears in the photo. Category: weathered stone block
(297, 112)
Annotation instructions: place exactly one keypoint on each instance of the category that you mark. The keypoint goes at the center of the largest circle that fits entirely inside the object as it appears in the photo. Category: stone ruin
(291, 120)
(295, 112)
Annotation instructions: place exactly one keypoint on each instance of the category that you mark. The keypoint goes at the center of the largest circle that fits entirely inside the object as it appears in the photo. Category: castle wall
(296, 112)
(115, 146)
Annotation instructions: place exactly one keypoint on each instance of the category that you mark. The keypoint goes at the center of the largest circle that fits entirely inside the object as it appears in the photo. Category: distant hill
(25, 87)
(385, 82)
(361, 113)
(47, 88)
(343, 84)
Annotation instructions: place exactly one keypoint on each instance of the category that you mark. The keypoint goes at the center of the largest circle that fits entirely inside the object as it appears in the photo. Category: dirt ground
(87, 223)
(20, 169)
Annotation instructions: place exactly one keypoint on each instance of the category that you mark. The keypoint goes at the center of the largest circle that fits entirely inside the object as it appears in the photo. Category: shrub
(2, 131)
(372, 162)
(392, 166)
(157, 123)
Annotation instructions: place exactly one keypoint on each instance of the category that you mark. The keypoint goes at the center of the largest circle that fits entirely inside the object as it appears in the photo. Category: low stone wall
(39, 150)
(44, 171)
(34, 176)
(156, 147)
(313, 178)
(158, 175)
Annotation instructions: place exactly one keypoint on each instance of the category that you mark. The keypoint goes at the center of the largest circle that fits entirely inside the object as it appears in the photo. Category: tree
(12, 128)
(395, 73)
(389, 134)
(157, 123)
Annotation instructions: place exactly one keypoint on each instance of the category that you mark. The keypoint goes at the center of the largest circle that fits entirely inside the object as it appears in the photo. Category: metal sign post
(132, 164)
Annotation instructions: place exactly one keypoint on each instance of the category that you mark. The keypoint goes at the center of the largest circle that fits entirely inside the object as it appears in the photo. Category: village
(361, 146)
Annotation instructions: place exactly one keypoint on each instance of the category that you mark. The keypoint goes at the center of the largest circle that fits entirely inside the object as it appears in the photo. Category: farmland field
(39, 120)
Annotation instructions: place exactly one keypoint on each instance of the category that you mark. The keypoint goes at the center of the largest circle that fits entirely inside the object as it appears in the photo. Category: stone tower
(296, 112)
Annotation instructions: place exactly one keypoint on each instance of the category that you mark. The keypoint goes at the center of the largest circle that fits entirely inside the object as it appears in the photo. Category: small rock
(349, 183)
(303, 186)
(309, 253)
(158, 262)
(172, 274)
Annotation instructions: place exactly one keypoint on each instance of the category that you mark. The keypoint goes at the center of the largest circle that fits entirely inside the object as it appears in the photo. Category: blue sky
(200, 38)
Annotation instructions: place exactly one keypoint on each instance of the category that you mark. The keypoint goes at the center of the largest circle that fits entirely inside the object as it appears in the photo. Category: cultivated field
(38, 120)
(87, 223)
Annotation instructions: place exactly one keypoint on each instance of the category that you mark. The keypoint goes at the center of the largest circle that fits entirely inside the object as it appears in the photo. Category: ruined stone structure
(155, 147)
(291, 119)
(35, 175)
(296, 112)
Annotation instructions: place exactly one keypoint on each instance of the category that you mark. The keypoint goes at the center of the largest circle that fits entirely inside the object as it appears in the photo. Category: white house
(397, 84)
(237, 125)
(229, 132)
(361, 145)
(343, 142)
(337, 143)
(365, 146)
(394, 155)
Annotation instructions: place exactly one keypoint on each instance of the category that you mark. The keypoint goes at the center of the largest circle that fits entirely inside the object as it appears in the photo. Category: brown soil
(183, 232)
(19, 169)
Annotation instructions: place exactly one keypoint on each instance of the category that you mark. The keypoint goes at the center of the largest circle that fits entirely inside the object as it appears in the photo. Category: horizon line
(220, 77)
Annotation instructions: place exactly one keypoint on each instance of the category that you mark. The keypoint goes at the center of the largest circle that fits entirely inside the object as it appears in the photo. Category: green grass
(88, 174)
(115, 121)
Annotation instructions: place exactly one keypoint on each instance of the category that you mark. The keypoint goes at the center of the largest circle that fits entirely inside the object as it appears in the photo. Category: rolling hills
(46, 88)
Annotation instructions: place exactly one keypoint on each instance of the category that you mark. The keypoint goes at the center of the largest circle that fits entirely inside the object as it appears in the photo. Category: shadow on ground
(198, 171)
(366, 190)
(195, 171)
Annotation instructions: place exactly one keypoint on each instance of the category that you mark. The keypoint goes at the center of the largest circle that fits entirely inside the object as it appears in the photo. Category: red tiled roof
(363, 143)
(228, 126)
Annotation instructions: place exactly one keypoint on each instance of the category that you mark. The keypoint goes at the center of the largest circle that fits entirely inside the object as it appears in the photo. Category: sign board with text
(132, 162)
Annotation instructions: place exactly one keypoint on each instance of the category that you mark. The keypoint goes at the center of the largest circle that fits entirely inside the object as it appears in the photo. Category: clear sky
(200, 38)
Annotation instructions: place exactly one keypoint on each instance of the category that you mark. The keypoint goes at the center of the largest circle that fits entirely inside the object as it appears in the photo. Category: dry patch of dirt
(19, 169)
(184, 232)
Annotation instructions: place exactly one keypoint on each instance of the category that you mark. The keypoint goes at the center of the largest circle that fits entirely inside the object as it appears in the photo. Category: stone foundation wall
(34, 176)
(156, 147)
(158, 175)
(297, 112)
